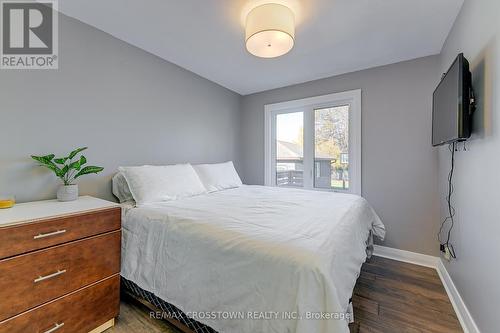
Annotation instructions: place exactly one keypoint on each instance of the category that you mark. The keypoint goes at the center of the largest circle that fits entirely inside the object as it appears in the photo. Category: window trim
(351, 97)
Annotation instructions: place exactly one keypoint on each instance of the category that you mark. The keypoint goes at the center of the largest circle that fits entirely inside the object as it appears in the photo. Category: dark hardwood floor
(134, 318)
(390, 296)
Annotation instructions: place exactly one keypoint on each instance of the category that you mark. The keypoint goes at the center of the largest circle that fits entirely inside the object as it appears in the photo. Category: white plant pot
(67, 193)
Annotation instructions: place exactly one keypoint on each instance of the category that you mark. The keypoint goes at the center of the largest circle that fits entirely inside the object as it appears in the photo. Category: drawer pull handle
(50, 276)
(58, 232)
(55, 328)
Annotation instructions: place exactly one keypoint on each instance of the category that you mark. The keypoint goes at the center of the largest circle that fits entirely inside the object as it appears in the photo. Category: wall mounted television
(453, 105)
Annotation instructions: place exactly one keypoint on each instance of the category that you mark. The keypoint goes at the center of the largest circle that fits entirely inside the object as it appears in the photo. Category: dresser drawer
(81, 311)
(32, 279)
(41, 234)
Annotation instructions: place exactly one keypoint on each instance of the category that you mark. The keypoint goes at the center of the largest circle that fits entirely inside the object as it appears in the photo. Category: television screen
(451, 103)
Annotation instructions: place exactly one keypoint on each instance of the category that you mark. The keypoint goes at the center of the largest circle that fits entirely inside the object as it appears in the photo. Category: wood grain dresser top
(41, 210)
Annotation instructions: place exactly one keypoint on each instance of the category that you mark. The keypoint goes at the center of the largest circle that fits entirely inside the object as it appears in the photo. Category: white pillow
(220, 176)
(120, 188)
(150, 183)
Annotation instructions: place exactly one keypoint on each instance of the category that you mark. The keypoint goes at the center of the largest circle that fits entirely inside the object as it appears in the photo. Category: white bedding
(275, 252)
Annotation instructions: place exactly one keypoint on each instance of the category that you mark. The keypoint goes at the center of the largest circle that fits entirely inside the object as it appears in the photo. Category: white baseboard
(406, 256)
(463, 314)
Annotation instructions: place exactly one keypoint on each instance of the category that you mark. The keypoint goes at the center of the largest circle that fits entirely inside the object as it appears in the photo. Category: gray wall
(399, 166)
(127, 105)
(476, 236)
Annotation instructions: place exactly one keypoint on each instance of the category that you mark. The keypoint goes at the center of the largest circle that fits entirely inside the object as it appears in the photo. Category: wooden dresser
(60, 266)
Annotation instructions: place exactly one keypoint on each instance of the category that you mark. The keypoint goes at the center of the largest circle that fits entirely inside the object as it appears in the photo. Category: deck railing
(290, 178)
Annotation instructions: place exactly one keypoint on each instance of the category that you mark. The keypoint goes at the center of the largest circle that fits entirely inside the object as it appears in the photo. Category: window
(315, 143)
(289, 149)
(331, 142)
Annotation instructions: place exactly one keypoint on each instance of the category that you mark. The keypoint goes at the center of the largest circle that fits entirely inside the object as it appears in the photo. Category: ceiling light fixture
(270, 30)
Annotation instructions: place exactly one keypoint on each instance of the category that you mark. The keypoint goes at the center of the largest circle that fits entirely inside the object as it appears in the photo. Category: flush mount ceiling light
(270, 30)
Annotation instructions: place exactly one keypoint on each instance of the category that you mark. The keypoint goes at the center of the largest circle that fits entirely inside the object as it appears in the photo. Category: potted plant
(68, 169)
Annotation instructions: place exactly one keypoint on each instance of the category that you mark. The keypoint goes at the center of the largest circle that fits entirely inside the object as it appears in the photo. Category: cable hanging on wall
(449, 221)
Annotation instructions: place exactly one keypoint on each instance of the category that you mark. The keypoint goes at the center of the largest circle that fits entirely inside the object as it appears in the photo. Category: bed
(251, 258)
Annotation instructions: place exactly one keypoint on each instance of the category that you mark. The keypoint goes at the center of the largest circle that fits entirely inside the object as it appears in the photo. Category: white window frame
(308, 105)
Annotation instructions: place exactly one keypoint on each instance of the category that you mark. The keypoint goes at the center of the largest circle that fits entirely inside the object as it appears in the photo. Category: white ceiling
(332, 36)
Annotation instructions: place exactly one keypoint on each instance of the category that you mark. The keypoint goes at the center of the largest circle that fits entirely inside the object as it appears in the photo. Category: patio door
(315, 143)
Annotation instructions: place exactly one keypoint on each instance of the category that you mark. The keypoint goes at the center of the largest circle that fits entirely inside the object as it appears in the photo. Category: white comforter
(271, 257)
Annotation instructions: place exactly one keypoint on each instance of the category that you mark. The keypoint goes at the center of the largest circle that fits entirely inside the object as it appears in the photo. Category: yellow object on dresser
(7, 203)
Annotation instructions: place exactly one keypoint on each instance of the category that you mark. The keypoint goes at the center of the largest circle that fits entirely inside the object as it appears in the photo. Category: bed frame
(170, 312)
(165, 310)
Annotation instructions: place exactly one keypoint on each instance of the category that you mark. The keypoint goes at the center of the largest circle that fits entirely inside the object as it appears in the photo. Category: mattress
(254, 258)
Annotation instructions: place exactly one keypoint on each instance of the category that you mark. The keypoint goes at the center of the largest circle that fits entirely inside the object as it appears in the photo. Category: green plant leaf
(77, 165)
(49, 157)
(63, 171)
(38, 159)
(61, 160)
(54, 168)
(46, 161)
(89, 169)
(43, 159)
(75, 152)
